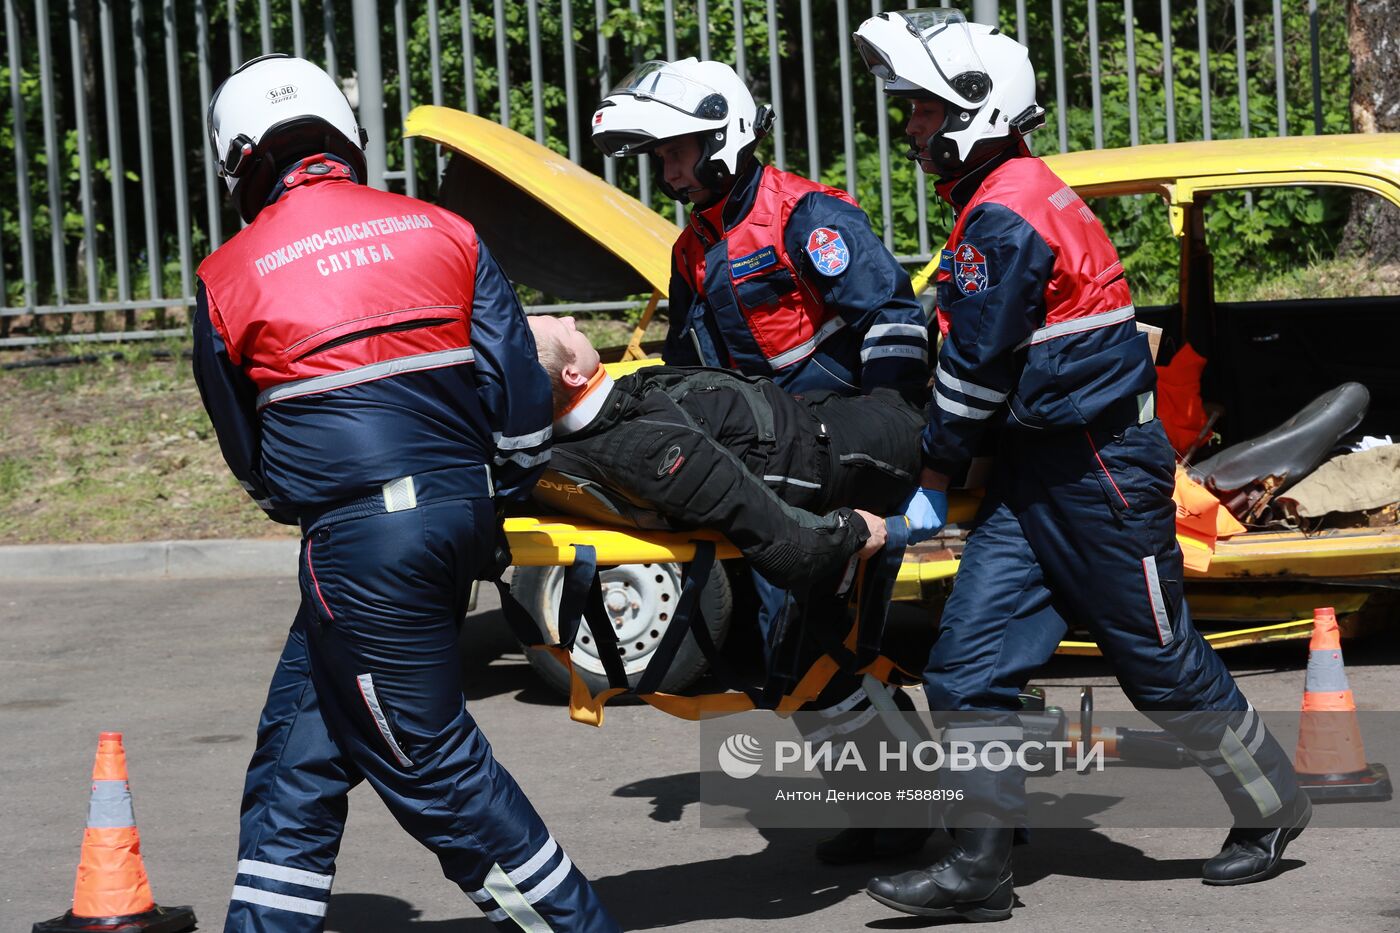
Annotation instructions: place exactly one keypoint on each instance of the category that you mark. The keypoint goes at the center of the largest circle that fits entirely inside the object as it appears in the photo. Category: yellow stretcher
(504, 182)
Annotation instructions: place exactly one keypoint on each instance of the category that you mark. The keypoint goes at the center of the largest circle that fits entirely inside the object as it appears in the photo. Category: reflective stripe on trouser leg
(1243, 764)
(1077, 520)
(508, 897)
(294, 805)
(399, 582)
(286, 898)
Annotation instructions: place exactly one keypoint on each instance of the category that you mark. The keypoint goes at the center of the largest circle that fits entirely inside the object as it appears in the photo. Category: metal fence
(123, 242)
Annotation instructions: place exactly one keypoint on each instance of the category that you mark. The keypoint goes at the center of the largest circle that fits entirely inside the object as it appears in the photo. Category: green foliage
(1260, 236)
(1257, 239)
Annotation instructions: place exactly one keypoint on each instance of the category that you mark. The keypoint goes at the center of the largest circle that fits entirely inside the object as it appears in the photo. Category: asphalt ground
(181, 666)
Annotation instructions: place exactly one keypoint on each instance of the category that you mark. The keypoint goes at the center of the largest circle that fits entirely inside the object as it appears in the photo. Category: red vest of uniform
(336, 283)
(1087, 278)
(784, 325)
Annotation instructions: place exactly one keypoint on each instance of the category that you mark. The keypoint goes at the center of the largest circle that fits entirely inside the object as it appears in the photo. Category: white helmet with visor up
(271, 112)
(665, 100)
(984, 78)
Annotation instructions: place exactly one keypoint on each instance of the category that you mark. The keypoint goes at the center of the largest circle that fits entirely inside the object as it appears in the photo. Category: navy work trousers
(369, 687)
(1080, 525)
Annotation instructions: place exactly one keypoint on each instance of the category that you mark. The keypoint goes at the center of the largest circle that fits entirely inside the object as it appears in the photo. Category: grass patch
(14, 475)
(115, 451)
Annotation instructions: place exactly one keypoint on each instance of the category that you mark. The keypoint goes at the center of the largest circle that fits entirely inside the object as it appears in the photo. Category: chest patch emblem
(753, 262)
(969, 269)
(828, 251)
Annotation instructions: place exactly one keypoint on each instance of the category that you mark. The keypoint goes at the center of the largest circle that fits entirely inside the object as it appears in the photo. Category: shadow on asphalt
(794, 883)
(380, 913)
(783, 881)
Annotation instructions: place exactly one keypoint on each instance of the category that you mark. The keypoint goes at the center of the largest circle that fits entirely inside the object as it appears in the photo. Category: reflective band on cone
(111, 890)
(1331, 760)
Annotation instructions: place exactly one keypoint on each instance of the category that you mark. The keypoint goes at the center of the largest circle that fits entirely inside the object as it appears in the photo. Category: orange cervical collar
(586, 405)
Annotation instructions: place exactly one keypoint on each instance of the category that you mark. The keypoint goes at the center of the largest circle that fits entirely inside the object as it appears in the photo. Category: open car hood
(551, 225)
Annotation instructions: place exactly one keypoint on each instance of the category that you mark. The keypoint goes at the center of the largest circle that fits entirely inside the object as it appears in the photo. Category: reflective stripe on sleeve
(961, 410)
(524, 460)
(893, 349)
(1079, 324)
(806, 347)
(971, 390)
(896, 330)
(522, 441)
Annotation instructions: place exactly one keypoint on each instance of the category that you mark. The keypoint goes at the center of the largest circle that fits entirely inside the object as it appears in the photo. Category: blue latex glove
(927, 512)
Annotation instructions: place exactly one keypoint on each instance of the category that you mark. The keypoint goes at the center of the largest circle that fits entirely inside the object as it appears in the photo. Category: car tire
(638, 595)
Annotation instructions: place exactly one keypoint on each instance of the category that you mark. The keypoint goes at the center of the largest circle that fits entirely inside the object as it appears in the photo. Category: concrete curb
(151, 560)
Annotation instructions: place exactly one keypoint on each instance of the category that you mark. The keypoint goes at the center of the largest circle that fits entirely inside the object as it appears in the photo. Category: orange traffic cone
(112, 894)
(1331, 761)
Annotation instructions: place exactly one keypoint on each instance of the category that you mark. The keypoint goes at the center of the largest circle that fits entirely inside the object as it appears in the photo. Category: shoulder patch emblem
(828, 251)
(969, 269)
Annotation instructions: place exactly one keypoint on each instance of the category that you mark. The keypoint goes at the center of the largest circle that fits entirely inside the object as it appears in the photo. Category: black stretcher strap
(684, 618)
(877, 590)
(582, 598)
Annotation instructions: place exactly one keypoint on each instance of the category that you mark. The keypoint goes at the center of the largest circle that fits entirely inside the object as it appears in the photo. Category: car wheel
(640, 599)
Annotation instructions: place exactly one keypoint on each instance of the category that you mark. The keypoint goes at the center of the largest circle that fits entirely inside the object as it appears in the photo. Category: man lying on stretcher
(797, 484)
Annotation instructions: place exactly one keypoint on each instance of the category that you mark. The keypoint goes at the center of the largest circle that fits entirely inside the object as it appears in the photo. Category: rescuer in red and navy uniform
(774, 275)
(370, 376)
(1042, 365)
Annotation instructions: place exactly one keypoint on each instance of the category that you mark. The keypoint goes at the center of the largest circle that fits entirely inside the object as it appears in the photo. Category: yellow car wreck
(604, 245)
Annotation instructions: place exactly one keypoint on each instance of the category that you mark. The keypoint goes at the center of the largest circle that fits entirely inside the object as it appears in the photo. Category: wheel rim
(639, 600)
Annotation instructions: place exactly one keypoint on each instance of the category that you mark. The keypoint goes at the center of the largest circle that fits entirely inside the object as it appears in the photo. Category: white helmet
(664, 100)
(984, 77)
(271, 112)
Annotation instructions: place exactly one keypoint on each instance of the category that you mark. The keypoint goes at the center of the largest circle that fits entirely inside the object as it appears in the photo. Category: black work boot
(1254, 854)
(856, 845)
(973, 881)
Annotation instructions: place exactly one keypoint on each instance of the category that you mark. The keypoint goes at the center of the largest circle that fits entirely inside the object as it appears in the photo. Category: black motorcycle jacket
(671, 448)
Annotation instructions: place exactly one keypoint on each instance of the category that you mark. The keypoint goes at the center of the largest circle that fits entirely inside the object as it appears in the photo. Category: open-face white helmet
(984, 78)
(664, 100)
(271, 112)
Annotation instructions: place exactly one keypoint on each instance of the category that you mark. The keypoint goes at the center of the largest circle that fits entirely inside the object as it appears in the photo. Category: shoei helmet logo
(740, 756)
(671, 462)
(286, 92)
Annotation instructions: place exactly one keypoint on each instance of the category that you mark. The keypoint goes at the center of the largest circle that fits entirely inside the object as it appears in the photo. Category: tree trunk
(1373, 35)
